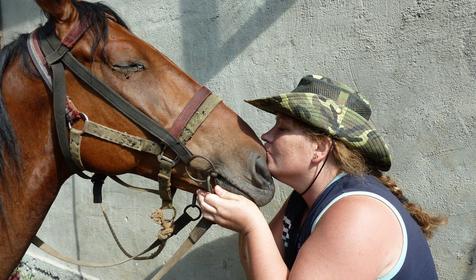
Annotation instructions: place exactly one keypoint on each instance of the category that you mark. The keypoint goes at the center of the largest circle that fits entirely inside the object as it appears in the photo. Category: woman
(344, 218)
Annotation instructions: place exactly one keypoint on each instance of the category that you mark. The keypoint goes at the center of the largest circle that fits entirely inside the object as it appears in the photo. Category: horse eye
(128, 69)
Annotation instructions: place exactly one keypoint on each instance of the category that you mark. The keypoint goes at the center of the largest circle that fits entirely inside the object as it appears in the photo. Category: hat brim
(338, 121)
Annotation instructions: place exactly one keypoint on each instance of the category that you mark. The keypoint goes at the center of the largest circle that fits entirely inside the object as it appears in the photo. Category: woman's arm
(276, 227)
(260, 255)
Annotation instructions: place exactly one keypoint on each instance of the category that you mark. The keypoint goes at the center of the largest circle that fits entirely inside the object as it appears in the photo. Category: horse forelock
(96, 15)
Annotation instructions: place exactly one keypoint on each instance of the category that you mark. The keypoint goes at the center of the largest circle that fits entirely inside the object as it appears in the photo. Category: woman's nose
(266, 137)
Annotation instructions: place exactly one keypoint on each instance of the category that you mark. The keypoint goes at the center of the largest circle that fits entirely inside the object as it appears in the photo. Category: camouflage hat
(335, 109)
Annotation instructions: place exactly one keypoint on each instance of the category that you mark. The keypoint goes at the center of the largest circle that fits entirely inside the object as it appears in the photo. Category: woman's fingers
(227, 209)
(214, 207)
(221, 192)
(209, 217)
(205, 205)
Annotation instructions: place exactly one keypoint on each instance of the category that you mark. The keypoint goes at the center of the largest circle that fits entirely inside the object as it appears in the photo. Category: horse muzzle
(256, 183)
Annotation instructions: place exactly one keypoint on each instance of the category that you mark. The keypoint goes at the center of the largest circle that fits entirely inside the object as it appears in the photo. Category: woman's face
(289, 151)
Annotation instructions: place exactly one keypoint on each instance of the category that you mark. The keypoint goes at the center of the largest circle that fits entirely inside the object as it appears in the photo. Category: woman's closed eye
(282, 126)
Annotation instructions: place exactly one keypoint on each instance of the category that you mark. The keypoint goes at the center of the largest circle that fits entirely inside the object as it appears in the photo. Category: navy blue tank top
(416, 261)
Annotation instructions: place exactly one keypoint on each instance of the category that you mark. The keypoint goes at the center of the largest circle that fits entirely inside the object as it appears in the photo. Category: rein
(47, 51)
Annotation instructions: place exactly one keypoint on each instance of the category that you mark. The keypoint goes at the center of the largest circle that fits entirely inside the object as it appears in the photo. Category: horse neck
(27, 194)
(24, 204)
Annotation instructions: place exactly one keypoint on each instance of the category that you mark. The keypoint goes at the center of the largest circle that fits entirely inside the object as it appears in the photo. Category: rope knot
(167, 224)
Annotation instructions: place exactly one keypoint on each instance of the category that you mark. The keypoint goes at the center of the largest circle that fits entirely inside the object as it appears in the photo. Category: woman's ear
(322, 148)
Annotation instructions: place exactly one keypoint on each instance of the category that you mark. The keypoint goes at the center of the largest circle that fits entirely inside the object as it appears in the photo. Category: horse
(33, 163)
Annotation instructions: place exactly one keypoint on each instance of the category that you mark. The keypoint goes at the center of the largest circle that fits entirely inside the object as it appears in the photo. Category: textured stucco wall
(415, 60)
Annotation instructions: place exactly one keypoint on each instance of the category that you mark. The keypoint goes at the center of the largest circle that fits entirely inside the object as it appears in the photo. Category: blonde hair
(352, 162)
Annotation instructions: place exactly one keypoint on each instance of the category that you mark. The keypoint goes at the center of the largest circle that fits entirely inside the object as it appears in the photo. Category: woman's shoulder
(359, 184)
(361, 200)
(350, 181)
(359, 230)
(360, 208)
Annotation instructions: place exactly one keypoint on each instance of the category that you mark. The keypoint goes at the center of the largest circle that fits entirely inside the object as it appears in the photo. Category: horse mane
(96, 15)
(8, 147)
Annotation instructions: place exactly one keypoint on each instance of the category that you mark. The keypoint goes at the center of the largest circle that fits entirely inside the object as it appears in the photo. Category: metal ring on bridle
(84, 117)
(191, 206)
(210, 171)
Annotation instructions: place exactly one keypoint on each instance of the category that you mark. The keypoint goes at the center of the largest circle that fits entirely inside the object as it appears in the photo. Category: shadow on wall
(471, 273)
(218, 256)
(204, 51)
(222, 256)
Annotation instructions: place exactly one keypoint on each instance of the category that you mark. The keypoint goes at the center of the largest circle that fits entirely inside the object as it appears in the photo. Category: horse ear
(63, 12)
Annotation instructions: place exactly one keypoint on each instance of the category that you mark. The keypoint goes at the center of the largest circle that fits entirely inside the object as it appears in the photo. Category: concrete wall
(415, 60)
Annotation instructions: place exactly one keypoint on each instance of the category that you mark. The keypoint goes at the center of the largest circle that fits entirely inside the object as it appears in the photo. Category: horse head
(156, 86)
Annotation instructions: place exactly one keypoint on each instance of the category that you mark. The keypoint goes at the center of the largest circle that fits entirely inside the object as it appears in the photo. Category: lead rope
(159, 243)
(98, 182)
(198, 231)
(169, 227)
(51, 251)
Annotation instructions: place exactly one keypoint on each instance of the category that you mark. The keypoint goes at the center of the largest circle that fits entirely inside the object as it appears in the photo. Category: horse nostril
(260, 173)
(262, 189)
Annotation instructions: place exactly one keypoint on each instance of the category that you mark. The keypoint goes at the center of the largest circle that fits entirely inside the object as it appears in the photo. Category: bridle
(46, 50)
(57, 55)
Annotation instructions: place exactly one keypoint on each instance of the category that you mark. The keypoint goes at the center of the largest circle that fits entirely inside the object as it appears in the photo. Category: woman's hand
(230, 210)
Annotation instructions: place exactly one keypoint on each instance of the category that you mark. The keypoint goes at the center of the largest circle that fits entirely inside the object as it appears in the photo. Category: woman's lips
(267, 148)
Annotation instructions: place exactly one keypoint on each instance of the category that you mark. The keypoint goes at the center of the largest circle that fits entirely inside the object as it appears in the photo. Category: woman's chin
(276, 173)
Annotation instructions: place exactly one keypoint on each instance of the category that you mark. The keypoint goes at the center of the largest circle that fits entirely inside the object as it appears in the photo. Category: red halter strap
(189, 110)
(75, 34)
